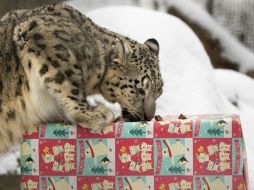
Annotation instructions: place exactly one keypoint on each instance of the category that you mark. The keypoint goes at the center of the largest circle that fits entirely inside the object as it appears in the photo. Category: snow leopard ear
(153, 45)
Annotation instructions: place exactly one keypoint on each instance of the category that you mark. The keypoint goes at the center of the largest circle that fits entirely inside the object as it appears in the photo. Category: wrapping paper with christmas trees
(201, 152)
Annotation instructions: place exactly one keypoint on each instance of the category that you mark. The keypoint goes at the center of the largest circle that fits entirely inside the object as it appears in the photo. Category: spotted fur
(52, 57)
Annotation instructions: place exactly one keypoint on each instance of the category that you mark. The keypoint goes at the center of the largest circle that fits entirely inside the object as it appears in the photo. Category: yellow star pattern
(240, 187)
(46, 149)
(162, 186)
(123, 149)
(85, 187)
(201, 149)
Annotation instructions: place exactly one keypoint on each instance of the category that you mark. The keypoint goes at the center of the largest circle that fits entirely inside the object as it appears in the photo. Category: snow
(87, 5)
(233, 49)
(192, 86)
(9, 161)
(236, 85)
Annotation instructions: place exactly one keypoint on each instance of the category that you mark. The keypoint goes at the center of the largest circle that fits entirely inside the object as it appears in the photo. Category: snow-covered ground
(192, 86)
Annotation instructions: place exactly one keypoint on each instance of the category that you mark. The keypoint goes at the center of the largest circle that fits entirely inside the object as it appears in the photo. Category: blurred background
(225, 29)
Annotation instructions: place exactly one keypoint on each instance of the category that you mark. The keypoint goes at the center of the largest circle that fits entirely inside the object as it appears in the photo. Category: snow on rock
(9, 161)
(233, 49)
(87, 5)
(236, 86)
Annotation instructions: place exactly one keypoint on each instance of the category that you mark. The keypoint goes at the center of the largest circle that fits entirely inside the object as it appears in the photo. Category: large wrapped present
(202, 152)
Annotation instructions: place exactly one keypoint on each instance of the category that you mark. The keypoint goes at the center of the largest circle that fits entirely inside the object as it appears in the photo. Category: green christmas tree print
(137, 132)
(214, 131)
(60, 132)
(99, 170)
(176, 170)
(26, 170)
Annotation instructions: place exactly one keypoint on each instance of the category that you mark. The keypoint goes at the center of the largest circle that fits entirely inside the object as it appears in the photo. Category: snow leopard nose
(149, 110)
(149, 114)
(149, 107)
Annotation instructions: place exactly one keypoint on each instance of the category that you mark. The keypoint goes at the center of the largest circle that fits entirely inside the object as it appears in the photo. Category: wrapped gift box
(202, 152)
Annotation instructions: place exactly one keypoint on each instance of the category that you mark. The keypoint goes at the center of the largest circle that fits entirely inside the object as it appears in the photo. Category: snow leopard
(53, 57)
